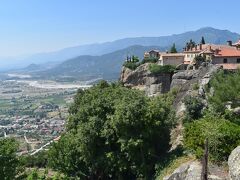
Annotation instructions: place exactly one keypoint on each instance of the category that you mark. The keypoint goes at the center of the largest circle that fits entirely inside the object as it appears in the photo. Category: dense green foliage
(226, 91)
(113, 133)
(9, 163)
(223, 137)
(194, 107)
(132, 62)
(39, 160)
(173, 49)
(157, 69)
(131, 65)
(220, 124)
(149, 60)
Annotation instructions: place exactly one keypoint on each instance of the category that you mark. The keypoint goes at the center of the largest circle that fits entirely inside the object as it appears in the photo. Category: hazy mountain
(211, 35)
(107, 66)
(38, 67)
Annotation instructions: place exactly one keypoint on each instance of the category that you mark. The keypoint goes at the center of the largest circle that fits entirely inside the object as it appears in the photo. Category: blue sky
(31, 26)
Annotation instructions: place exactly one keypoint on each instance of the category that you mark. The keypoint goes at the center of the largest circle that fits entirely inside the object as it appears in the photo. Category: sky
(34, 26)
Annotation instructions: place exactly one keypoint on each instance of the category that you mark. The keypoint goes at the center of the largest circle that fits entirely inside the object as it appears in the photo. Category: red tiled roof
(228, 52)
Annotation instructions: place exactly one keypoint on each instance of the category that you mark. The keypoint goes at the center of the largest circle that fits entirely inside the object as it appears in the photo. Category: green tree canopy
(9, 163)
(113, 132)
(173, 49)
(224, 89)
(223, 137)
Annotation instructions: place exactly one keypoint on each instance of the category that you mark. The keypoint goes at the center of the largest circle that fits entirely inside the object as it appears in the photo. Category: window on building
(238, 60)
(224, 60)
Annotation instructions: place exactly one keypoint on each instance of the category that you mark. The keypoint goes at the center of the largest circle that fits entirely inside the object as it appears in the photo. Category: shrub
(194, 107)
(131, 65)
(223, 137)
(195, 86)
(223, 90)
(149, 60)
(226, 88)
(38, 160)
(157, 69)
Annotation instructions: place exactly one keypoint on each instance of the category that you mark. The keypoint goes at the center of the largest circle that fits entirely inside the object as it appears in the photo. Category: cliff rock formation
(143, 79)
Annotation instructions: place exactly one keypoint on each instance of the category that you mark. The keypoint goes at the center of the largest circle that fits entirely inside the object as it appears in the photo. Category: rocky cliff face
(143, 79)
(185, 81)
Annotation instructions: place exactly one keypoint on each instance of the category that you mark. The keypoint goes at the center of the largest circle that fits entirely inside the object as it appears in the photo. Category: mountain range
(105, 59)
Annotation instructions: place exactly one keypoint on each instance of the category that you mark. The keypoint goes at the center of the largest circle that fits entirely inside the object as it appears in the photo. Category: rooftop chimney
(229, 43)
(217, 51)
(200, 46)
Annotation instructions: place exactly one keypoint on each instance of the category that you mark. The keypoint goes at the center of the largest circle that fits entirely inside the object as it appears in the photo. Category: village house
(165, 58)
(228, 56)
(171, 59)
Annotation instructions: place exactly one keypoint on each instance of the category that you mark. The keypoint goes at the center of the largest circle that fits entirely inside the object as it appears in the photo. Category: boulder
(192, 171)
(234, 164)
(187, 171)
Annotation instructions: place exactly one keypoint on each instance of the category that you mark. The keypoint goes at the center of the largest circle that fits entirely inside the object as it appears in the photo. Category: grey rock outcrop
(143, 79)
(187, 171)
(234, 164)
(192, 171)
(185, 80)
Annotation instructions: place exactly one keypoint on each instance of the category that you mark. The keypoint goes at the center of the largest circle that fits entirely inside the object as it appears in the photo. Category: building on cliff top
(226, 55)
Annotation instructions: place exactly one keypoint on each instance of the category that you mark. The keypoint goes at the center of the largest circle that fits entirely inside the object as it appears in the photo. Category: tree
(135, 59)
(194, 107)
(202, 40)
(10, 165)
(113, 133)
(173, 49)
(225, 90)
(223, 136)
(190, 44)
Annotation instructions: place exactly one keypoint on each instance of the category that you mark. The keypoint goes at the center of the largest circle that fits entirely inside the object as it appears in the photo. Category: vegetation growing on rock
(157, 69)
(225, 94)
(219, 123)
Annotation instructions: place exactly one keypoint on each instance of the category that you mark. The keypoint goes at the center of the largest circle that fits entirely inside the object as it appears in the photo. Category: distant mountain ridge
(105, 60)
(86, 67)
(211, 35)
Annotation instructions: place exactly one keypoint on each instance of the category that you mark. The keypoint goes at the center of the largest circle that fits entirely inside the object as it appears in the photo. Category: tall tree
(9, 163)
(173, 49)
(203, 40)
(106, 134)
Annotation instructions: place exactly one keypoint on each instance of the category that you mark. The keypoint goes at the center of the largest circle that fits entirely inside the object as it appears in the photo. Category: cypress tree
(203, 40)
(173, 49)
